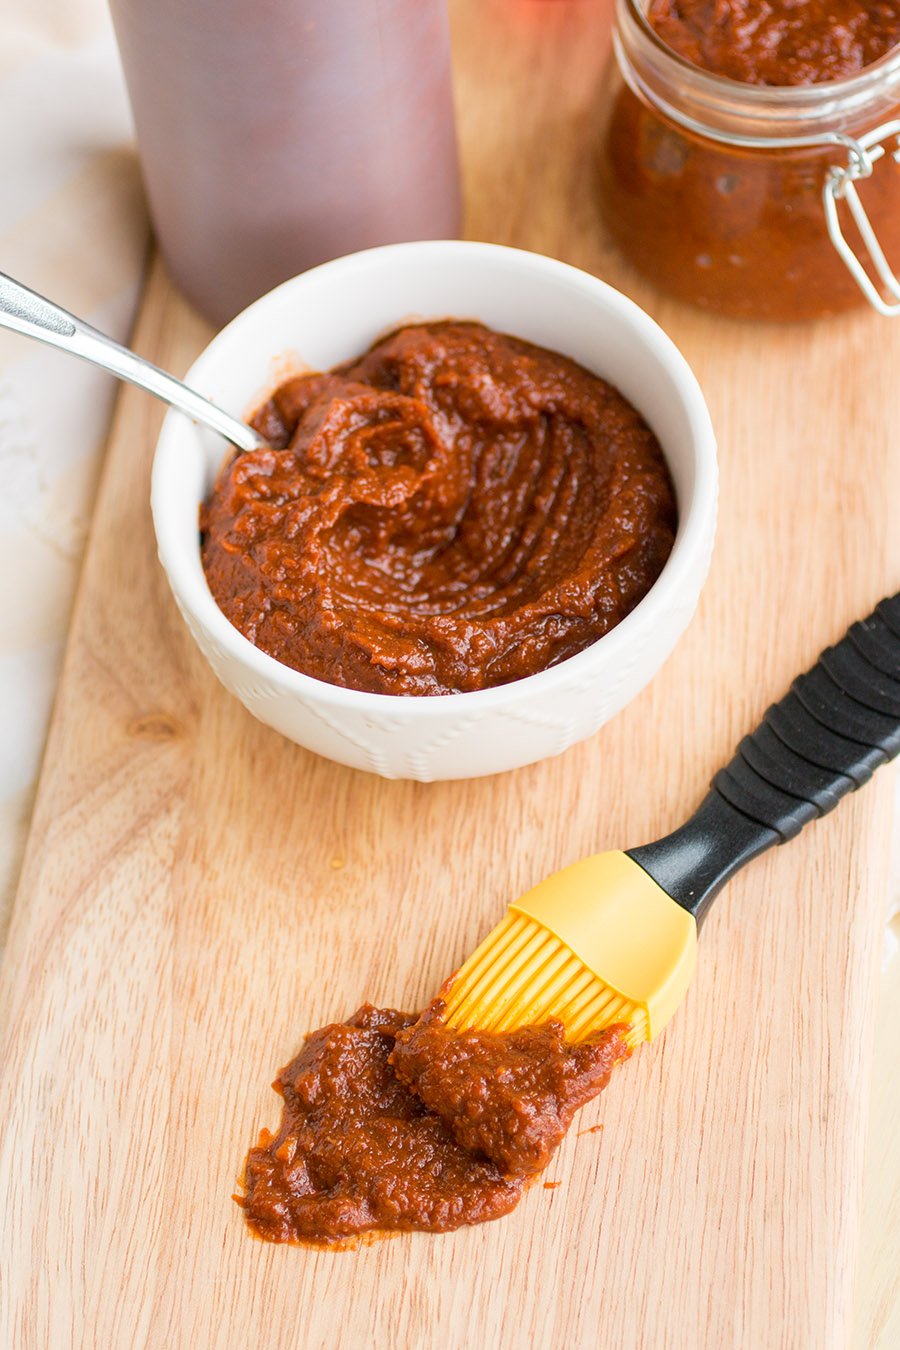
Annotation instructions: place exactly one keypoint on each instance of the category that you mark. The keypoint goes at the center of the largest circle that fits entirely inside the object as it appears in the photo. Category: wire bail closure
(840, 185)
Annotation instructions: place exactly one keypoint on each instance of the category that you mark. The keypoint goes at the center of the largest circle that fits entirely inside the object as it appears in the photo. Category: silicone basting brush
(613, 939)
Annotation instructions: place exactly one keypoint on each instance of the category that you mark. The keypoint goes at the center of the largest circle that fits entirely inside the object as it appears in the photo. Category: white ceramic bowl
(333, 313)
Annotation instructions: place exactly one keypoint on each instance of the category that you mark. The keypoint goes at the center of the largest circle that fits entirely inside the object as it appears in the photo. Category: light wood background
(197, 892)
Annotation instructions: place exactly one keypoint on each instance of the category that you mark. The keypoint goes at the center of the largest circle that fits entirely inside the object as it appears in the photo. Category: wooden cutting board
(198, 893)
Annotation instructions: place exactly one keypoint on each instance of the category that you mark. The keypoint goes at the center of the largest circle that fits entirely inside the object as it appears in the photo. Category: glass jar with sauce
(755, 201)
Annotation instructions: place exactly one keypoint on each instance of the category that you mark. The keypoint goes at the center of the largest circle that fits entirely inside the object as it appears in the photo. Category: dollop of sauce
(508, 1095)
(454, 510)
(779, 42)
(395, 1122)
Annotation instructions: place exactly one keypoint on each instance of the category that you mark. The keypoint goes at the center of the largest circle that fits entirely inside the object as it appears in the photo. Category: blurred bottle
(275, 134)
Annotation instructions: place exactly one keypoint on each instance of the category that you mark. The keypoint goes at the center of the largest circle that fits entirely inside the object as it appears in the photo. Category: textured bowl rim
(696, 525)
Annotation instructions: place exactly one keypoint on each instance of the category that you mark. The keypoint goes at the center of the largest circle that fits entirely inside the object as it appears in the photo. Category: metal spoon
(24, 311)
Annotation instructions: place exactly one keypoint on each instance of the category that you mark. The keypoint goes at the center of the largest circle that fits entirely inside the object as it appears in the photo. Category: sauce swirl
(454, 510)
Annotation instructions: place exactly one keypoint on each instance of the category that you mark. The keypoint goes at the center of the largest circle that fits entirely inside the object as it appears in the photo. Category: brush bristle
(522, 975)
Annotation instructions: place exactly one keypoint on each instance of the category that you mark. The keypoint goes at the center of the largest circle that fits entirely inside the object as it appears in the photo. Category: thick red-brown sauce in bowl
(394, 1122)
(454, 510)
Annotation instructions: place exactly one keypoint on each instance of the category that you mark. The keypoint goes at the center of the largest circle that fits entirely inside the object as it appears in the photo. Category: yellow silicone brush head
(597, 944)
(522, 975)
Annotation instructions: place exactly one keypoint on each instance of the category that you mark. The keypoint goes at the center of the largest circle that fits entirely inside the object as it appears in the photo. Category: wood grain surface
(197, 892)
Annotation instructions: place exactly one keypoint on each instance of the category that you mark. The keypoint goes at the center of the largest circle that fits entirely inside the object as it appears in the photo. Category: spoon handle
(24, 311)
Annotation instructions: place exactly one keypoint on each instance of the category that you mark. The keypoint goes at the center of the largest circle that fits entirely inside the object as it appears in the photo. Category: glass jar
(750, 200)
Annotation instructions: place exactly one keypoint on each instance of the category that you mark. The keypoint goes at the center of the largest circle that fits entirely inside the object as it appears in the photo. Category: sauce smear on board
(392, 1121)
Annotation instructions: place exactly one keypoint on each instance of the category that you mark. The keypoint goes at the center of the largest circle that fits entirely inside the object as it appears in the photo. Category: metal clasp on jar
(840, 186)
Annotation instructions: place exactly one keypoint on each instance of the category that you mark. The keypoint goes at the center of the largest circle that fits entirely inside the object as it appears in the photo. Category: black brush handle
(826, 737)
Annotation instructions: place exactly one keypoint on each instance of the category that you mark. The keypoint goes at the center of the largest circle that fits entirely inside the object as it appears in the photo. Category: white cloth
(72, 225)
